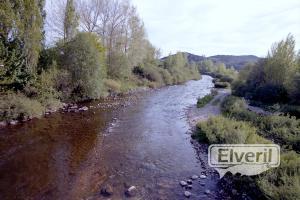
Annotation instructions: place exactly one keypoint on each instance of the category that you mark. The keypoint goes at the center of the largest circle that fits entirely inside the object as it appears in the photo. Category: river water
(72, 155)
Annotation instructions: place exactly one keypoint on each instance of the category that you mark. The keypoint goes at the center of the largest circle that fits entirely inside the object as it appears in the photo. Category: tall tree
(71, 21)
(21, 37)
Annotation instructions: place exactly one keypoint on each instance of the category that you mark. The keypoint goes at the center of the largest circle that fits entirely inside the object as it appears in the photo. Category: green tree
(21, 35)
(70, 21)
(83, 58)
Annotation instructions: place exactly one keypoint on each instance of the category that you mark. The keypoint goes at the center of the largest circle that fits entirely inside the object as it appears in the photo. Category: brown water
(71, 155)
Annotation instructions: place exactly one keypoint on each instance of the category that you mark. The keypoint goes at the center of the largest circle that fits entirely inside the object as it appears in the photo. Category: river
(72, 155)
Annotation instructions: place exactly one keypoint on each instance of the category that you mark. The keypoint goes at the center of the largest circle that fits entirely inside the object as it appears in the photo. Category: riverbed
(73, 155)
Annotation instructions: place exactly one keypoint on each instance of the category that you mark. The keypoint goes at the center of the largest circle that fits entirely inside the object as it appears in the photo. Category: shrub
(225, 131)
(282, 183)
(222, 85)
(292, 110)
(18, 106)
(235, 107)
(83, 58)
(284, 129)
(206, 99)
(112, 86)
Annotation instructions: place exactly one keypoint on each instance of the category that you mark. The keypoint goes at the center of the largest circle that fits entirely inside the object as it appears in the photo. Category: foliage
(112, 86)
(282, 183)
(18, 106)
(70, 21)
(273, 79)
(221, 130)
(85, 63)
(283, 129)
(201, 102)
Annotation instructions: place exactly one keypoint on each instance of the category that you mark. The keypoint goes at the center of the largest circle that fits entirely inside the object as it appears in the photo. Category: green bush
(83, 58)
(221, 130)
(201, 102)
(18, 106)
(283, 129)
(112, 86)
(222, 85)
(236, 108)
(282, 183)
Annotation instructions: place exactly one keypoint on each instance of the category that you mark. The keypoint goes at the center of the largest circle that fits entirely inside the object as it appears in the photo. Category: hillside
(229, 60)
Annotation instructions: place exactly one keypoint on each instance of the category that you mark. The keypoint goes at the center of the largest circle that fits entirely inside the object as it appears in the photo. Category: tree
(83, 58)
(70, 21)
(21, 35)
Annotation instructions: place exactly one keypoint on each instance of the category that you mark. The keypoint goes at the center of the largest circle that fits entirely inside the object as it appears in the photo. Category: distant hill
(229, 60)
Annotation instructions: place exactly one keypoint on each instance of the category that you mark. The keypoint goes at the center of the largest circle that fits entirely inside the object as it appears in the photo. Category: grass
(206, 99)
(239, 125)
(17, 106)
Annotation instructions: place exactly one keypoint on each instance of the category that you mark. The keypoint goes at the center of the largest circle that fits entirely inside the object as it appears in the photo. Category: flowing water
(72, 155)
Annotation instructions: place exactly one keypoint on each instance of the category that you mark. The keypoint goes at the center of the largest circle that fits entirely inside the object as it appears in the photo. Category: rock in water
(187, 194)
(131, 191)
(107, 190)
(207, 191)
(203, 176)
(183, 183)
(3, 123)
(194, 177)
(189, 181)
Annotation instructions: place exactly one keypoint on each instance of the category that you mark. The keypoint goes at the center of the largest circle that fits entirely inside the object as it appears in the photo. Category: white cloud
(219, 27)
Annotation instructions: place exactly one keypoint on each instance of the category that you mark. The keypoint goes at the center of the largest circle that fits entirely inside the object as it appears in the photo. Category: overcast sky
(210, 27)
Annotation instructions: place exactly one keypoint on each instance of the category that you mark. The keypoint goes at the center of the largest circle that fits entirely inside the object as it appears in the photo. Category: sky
(211, 27)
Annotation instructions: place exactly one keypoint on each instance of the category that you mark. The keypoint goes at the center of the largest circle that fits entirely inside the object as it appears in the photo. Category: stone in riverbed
(183, 183)
(189, 187)
(13, 122)
(194, 177)
(3, 123)
(203, 176)
(187, 194)
(189, 181)
(131, 191)
(207, 191)
(84, 108)
(107, 190)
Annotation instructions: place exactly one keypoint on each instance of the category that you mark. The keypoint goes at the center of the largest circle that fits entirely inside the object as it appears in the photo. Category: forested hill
(229, 60)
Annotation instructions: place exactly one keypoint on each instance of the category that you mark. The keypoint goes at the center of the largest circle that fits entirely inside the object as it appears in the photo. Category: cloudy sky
(210, 27)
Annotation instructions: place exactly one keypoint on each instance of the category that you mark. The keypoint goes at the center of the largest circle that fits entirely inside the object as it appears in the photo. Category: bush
(206, 99)
(282, 183)
(236, 108)
(222, 85)
(18, 106)
(283, 129)
(83, 58)
(112, 86)
(221, 130)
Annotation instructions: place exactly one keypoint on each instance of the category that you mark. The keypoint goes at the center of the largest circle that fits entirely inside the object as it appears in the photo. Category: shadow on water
(70, 155)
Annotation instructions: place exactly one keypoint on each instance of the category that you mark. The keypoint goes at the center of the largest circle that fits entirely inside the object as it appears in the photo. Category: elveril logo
(246, 159)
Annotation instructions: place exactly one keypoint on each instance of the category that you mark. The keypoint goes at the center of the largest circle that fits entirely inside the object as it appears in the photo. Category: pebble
(189, 187)
(84, 108)
(183, 183)
(194, 177)
(13, 122)
(131, 191)
(187, 194)
(202, 176)
(189, 181)
(3, 123)
(207, 191)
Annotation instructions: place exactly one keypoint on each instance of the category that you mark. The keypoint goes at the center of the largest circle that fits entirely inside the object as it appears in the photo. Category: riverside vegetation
(273, 80)
(100, 49)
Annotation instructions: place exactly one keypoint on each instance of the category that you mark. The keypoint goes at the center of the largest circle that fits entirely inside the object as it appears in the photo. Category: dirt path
(195, 114)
